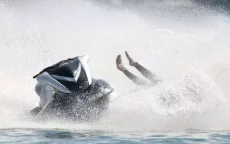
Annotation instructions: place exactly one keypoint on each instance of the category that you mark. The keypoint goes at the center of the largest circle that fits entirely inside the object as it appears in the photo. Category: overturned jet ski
(67, 91)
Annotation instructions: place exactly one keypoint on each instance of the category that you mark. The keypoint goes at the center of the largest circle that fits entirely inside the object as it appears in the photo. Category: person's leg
(130, 75)
(145, 72)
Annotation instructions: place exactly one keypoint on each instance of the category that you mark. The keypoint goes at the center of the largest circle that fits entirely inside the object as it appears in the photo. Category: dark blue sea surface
(41, 136)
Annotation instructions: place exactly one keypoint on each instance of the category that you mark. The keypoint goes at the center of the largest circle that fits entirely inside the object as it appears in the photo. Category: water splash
(186, 44)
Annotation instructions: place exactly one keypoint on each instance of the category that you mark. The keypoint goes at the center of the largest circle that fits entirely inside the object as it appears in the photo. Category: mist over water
(185, 44)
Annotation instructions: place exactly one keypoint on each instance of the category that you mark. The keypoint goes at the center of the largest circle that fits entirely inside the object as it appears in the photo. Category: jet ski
(68, 91)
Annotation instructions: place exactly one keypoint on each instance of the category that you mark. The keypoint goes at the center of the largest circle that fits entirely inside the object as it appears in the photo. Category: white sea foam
(186, 45)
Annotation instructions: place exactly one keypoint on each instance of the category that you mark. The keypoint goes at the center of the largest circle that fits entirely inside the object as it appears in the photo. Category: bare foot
(131, 61)
(119, 63)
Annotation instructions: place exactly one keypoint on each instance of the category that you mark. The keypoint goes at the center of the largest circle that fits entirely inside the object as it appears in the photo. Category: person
(151, 78)
(68, 87)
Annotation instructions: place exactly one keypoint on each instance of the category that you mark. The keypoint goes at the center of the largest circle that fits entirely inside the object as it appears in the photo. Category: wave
(183, 42)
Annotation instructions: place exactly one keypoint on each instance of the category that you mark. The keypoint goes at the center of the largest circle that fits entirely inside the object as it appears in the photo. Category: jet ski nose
(84, 58)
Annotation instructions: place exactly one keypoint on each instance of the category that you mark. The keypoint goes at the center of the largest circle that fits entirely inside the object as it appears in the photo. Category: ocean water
(186, 44)
(97, 136)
